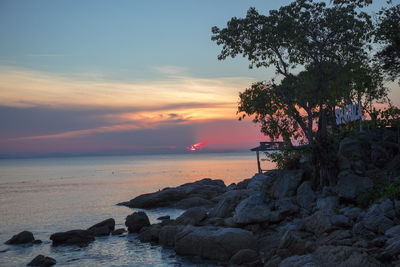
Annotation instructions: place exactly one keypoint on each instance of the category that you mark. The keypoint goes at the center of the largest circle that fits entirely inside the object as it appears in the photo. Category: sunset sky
(122, 77)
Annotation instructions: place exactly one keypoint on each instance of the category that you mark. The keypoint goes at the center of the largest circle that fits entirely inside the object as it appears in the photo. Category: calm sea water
(49, 195)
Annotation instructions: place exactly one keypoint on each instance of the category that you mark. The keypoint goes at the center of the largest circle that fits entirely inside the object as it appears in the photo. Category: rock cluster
(279, 219)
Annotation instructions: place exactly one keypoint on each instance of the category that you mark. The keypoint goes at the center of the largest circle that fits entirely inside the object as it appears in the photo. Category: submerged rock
(103, 228)
(42, 260)
(73, 237)
(21, 238)
(119, 231)
(136, 221)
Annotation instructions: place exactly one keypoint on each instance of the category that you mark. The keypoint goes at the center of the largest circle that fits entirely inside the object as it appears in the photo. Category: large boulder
(73, 237)
(103, 228)
(284, 183)
(150, 234)
(379, 217)
(259, 182)
(228, 202)
(392, 248)
(206, 189)
(351, 186)
(193, 202)
(21, 238)
(305, 196)
(343, 256)
(253, 210)
(43, 261)
(327, 204)
(297, 243)
(192, 216)
(245, 257)
(318, 223)
(136, 221)
(167, 235)
(215, 243)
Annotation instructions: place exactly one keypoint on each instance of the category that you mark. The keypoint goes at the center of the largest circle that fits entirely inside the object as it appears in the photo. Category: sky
(104, 77)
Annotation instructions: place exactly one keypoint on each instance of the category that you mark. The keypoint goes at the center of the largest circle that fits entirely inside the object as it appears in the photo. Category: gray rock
(318, 223)
(392, 248)
(353, 213)
(228, 202)
(167, 235)
(150, 234)
(205, 188)
(163, 218)
(252, 210)
(119, 231)
(327, 204)
(213, 243)
(305, 196)
(245, 257)
(73, 237)
(377, 219)
(42, 260)
(299, 261)
(296, 243)
(259, 182)
(341, 221)
(192, 216)
(343, 256)
(284, 183)
(193, 202)
(337, 237)
(103, 228)
(284, 207)
(136, 221)
(21, 238)
(351, 186)
(394, 231)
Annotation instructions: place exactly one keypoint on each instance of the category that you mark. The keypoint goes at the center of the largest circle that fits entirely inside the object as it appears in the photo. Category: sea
(48, 195)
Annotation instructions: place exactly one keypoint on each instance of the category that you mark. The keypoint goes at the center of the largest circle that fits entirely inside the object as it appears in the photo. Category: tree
(388, 33)
(320, 53)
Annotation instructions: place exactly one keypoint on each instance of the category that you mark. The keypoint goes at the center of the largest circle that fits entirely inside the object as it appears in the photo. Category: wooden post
(258, 162)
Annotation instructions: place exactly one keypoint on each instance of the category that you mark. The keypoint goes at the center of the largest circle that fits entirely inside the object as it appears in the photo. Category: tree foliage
(388, 33)
(320, 53)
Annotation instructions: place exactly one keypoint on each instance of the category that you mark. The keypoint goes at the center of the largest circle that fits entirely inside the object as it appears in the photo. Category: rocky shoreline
(276, 218)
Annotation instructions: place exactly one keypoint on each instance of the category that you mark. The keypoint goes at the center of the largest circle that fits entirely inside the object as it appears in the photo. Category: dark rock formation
(215, 243)
(41, 260)
(205, 189)
(136, 221)
(21, 238)
(119, 231)
(73, 237)
(103, 228)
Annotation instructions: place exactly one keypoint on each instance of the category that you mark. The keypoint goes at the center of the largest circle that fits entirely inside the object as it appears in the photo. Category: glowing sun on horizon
(196, 146)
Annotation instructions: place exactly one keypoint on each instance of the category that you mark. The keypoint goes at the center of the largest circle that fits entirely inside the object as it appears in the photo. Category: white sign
(349, 113)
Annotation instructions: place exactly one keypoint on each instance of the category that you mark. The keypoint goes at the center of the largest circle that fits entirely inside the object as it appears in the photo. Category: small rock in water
(37, 241)
(42, 260)
(73, 237)
(137, 221)
(163, 218)
(119, 231)
(21, 238)
(103, 228)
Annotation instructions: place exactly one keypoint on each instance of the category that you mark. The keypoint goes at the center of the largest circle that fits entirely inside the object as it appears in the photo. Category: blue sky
(94, 76)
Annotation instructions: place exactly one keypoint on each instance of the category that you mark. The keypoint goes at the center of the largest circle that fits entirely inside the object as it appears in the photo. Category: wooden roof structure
(265, 146)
